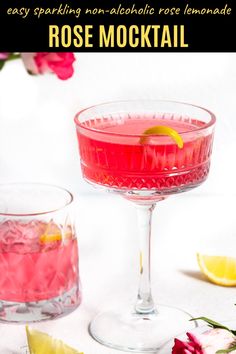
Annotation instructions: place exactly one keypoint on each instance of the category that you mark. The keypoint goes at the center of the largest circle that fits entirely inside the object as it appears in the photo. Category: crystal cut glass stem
(145, 303)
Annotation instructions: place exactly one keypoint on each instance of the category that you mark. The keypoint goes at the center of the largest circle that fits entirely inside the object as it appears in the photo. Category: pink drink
(112, 154)
(38, 260)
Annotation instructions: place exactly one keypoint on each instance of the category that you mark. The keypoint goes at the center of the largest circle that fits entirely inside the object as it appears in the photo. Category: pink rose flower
(206, 343)
(60, 64)
(4, 56)
(188, 347)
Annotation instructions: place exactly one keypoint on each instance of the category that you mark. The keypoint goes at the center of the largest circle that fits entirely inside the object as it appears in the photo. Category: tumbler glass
(39, 276)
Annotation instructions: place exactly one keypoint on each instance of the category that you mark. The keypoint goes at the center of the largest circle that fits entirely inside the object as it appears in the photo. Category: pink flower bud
(59, 63)
(4, 56)
(207, 343)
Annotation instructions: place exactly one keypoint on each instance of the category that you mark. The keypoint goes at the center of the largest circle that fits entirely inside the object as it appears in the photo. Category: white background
(37, 135)
(38, 143)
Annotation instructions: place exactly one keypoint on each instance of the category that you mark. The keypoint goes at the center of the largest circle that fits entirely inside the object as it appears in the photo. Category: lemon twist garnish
(163, 130)
(42, 343)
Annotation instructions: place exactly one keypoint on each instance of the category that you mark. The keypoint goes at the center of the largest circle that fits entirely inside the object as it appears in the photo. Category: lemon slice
(51, 234)
(163, 130)
(42, 343)
(220, 270)
(46, 238)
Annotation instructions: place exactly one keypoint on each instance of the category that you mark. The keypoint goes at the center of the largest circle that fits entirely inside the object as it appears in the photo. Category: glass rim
(104, 104)
(35, 184)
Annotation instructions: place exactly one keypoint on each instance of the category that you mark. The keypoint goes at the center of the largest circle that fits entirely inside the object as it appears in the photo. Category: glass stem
(145, 303)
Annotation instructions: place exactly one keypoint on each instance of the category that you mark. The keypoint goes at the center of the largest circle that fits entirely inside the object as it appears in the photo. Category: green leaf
(2, 62)
(226, 350)
(213, 324)
(13, 56)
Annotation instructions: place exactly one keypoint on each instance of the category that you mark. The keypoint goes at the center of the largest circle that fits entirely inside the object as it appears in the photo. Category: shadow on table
(195, 274)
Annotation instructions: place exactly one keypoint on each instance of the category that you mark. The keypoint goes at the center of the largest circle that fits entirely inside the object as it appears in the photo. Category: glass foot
(20, 312)
(138, 332)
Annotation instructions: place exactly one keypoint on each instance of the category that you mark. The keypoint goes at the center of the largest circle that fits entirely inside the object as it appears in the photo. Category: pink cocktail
(33, 268)
(117, 154)
(114, 155)
(39, 277)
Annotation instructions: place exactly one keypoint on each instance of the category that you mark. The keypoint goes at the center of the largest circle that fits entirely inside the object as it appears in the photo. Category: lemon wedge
(42, 343)
(220, 270)
(163, 130)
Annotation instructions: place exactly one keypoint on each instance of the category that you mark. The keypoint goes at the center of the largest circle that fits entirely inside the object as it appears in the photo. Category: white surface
(109, 262)
(38, 143)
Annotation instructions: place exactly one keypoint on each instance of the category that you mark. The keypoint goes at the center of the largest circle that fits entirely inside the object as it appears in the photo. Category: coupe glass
(117, 156)
(39, 278)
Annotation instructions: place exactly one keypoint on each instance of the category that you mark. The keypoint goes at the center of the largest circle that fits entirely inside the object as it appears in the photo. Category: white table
(108, 245)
